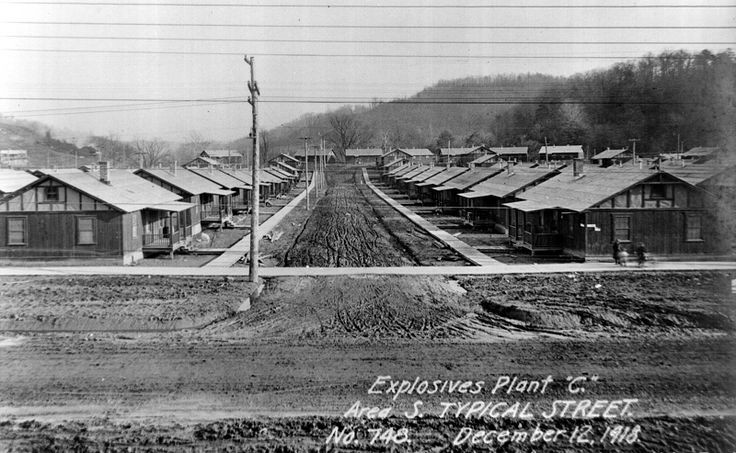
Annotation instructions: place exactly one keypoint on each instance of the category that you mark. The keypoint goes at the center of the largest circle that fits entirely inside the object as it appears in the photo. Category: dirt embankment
(489, 309)
(351, 227)
(130, 303)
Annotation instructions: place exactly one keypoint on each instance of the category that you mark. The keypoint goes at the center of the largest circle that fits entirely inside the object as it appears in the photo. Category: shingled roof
(509, 181)
(578, 193)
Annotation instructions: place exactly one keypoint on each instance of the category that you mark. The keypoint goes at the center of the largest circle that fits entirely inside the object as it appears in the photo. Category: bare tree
(347, 132)
(152, 152)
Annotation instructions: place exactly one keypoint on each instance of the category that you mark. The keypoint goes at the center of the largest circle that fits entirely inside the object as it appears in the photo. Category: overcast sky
(206, 40)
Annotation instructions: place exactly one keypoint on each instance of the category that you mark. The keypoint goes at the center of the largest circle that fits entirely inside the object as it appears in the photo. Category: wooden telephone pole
(256, 180)
(306, 167)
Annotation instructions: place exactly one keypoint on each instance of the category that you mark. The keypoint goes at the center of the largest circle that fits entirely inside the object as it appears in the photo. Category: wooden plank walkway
(242, 247)
(469, 253)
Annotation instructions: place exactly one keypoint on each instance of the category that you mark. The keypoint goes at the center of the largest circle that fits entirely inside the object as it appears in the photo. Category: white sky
(32, 73)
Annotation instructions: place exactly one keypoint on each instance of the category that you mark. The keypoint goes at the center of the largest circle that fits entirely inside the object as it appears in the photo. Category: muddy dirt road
(280, 376)
(351, 226)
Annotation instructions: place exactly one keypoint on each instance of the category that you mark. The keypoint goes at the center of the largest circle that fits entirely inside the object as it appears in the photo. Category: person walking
(616, 251)
(641, 254)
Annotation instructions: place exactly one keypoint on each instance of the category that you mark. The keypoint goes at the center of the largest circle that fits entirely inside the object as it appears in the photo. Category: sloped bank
(124, 303)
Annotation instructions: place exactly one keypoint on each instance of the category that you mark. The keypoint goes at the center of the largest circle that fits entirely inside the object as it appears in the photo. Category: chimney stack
(173, 168)
(104, 172)
(577, 167)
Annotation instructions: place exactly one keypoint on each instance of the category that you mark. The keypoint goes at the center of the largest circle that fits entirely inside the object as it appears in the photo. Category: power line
(368, 6)
(343, 55)
(389, 27)
(356, 41)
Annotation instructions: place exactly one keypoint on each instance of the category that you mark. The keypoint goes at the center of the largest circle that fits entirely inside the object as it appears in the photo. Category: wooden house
(266, 182)
(387, 175)
(510, 153)
(424, 189)
(113, 215)
(362, 156)
(447, 194)
(227, 157)
(581, 212)
(421, 156)
(484, 202)
(401, 182)
(395, 175)
(567, 152)
(411, 184)
(460, 156)
(202, 162)
(209, 198)
(240, 198)
(612, 157)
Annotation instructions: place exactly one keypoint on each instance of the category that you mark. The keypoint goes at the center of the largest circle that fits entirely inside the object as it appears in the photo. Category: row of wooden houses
(120, 215)
(675, 207)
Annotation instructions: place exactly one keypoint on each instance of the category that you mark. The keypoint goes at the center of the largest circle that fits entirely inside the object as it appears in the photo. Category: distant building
(362, 156)
(567, 152)
(400, 156)
(13, 158)
(461, 156)
(224, 156)
(612, 156)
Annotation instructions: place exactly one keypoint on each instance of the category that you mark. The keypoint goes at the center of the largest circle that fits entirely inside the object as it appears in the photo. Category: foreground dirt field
(281, 376)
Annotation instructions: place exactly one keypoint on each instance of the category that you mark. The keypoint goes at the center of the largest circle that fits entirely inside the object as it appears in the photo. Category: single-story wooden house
(202, 162)
(424, 189)
(362, 156)
(701, 153)
(239, 200)
(461, 156)
(484, 202)
(113, 215)
(447, 194)
(612, 156)
(582, 211)
(422, 156)
(567, 152)
(315, 154)
(209, 198)
(411, 184)
(226, 157)
(401, 182)
(393, 176)
(511, 153)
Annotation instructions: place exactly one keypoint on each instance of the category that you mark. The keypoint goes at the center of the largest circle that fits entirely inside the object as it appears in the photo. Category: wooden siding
(51, 235)
(69, 200)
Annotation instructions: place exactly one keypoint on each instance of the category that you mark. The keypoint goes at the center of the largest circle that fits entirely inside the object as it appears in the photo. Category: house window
(660, 191)
(52, 193)
(17, 231)
(622, 228)
(85, 230)
(693, 227)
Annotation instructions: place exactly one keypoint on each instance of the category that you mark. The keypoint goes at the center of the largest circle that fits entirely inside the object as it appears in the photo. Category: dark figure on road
(616, 251)
(641, 253)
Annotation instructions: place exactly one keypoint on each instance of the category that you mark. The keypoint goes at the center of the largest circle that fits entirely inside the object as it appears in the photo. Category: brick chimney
(104, 172)
(577, 167)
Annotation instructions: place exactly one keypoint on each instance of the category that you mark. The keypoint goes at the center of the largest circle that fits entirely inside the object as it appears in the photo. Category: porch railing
(161, 240)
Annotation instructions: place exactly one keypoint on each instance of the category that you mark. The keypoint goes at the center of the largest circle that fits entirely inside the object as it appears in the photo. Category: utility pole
(634, 140)
(306, 167)
(256, 177)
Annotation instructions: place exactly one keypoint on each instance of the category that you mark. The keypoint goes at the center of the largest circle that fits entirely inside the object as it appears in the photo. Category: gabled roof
(415, 152)
(283, 174)
(206, 160)
(404, 170)
(393, 162)
(701, 151)
(417, 170)
(288, 167)
(218, 176)
(485, 158)
(185, 180)
(509, 181)
(286, 156)
(12, 180)
(470, 178)
(567, 149)
(126, 191)
(458, 151)
(246, 176)
(509, 150)
(398, 169)
(426, 174)
(609, 154)
(364, 152)
(578, 193)
(694, 173)
(220, 153)
(443, 176)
